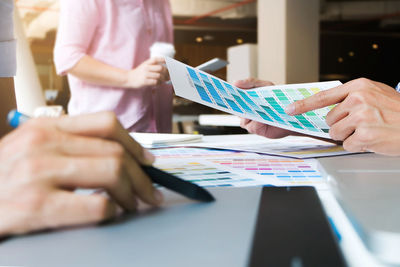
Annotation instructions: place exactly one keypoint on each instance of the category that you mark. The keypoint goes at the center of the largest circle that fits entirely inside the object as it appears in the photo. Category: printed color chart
(206, 175)
(291, 171)
(188, 164)
(264, 104)
(211, 168)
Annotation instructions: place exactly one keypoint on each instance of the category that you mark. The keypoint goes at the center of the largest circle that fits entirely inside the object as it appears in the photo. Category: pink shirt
(118, 33)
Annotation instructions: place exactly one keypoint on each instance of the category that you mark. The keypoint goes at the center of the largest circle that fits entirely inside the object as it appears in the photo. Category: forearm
(93, 71)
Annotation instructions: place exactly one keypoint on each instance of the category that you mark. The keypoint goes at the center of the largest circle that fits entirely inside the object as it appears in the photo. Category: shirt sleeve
(76, 30)
(8, 64)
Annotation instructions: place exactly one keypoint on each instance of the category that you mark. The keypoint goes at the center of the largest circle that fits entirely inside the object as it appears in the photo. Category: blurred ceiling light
(340, 59)
(199, 39)
(239, 40)
(208, 37)
(375, 46)
(351, 54)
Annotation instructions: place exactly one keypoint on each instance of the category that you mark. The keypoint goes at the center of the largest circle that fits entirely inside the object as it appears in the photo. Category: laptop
(368, 188)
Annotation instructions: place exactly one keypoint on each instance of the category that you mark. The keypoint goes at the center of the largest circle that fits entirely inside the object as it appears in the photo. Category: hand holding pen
(47, 158)
(157, 176)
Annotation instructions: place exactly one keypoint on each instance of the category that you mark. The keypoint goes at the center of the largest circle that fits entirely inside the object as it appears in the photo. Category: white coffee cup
(160, 49)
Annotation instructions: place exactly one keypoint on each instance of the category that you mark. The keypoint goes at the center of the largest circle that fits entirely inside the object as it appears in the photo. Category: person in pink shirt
(103, 46)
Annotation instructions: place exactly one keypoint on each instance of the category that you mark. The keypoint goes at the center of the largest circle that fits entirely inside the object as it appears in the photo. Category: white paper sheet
(292, 146)
(159, 139)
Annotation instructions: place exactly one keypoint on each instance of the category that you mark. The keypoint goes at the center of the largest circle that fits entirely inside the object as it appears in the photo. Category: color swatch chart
(192, 164)
(264, 104)
(207, 175)
(208, 168)
(290, 171)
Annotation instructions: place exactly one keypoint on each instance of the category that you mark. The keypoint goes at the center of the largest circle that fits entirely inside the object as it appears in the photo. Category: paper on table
(300, 147)
(156, 139)
(263, 104)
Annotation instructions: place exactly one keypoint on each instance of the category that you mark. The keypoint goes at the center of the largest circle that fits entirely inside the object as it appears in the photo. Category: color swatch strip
(264, 104)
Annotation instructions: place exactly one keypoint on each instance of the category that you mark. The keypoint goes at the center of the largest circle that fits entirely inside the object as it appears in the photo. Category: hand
(256, 127)
(44, 160)
(367, 117)
(150, 73)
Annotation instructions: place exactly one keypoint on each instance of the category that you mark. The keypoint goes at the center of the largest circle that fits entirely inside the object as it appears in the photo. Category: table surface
(355, 253)
(350, 243)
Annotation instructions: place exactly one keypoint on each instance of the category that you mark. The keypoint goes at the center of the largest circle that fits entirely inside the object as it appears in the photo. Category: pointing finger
(322, 99)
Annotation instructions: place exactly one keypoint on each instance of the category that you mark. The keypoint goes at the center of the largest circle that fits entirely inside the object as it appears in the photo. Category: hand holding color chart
(263, 104)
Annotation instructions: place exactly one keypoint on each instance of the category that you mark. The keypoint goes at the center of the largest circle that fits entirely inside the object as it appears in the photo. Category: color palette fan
(263, 104)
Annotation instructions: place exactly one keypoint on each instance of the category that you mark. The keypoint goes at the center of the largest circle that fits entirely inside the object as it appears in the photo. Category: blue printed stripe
(212, 91)
(203, 94)
(220, 87)
(230, 88)
(264, 116)
(193, 74)
(242, 104)
(273, 114)
(233, 105)
(248, 99)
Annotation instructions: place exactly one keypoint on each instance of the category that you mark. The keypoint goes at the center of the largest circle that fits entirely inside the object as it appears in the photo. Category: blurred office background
(285, 41)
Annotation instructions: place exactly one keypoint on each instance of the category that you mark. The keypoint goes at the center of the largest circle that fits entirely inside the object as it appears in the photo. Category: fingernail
(290, 109)
(158, 196)
(150, 158)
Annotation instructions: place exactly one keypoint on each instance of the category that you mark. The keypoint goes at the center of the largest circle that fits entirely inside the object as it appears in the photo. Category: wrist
(132, 80)
(124, 78)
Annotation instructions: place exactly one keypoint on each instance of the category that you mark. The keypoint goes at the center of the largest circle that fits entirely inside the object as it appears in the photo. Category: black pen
(178, 185)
